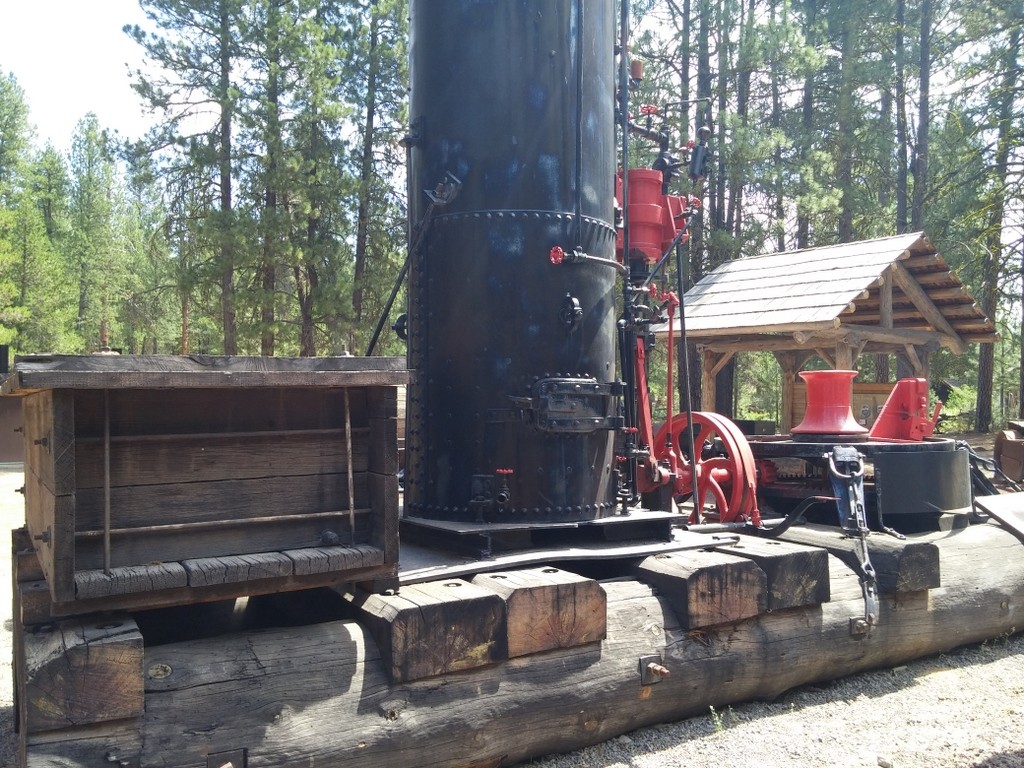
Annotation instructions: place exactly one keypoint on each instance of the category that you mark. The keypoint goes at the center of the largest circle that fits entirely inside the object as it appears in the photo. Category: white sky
(69, 57)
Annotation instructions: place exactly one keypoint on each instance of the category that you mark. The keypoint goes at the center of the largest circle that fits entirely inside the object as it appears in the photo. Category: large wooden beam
(548, 608)
(435, 628)
(900, 565)
(702, 333)
(80, 672)
(796, 575)
(885, 303)
(319, 695)
(926, 306)
(893, 335)
(707, 588)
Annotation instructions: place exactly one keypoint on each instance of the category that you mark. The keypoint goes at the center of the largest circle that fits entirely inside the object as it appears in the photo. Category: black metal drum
(512, 400)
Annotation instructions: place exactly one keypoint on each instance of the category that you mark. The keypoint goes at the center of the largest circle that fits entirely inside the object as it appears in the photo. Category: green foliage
(958, 410)
(266, 210)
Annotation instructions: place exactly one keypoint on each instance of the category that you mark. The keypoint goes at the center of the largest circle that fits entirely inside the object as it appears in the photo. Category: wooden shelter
(887, 295)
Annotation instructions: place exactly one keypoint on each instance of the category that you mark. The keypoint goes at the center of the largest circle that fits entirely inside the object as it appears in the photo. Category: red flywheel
(725, 471)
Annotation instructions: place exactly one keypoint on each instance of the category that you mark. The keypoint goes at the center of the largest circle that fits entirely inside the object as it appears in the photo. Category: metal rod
(386, 312)
(106, 481)
(684, 383)
(627, 351)
(578, 192)
(215, 524)
(348, 451)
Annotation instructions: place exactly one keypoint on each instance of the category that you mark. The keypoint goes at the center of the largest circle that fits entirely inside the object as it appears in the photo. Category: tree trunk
(803, 221)
(366, 172)
(776, 122)
(227, 254)
(994, 234)
(268, 270)
(844, 128)
(902, 133)
(923, 117)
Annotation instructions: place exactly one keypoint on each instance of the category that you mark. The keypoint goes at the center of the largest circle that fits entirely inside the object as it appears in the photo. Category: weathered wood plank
(186, 502)
(155, 460)
(234, 538)
(796, 575)
(707, 588)
(315, 560)
(203, 572)
(64, 509)
(158, 371)
(384, 445)
(900, 565)
(383, 491)
(435, 628)
(33, 603)
(106, 745)
(38, 608)
(548, 608)
(129, 579)
(24, 562)
(385, 402)
(149, 412)
(80, 672)
(1007, 509)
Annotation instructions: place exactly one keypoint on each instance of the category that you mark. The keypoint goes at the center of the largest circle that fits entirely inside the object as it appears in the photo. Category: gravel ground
(950, 711)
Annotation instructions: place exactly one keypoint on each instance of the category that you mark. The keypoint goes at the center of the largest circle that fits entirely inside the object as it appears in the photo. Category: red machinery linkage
(723, 469)
(905, 413)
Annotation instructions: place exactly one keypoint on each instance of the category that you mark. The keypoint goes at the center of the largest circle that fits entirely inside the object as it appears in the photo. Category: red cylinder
(829, 394)
(646, 214)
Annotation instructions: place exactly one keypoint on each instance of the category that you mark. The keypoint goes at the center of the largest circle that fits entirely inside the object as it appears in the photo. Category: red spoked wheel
(724, 469)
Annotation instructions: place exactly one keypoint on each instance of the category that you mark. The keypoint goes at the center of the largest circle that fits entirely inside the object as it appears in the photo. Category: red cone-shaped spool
(829, 394)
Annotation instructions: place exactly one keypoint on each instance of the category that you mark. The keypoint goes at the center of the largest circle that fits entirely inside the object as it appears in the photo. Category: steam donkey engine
(528, 404)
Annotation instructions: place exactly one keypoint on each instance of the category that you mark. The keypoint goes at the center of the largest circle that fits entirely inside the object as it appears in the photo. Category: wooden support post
(548, 608)
(711, 364)
(844, 356)
(900, 565)
(706, 588)
(435, 628)
(797, 575)
(708, 358)
(788, 363)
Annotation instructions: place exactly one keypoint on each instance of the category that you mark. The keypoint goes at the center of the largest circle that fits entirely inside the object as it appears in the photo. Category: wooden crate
(155, 480)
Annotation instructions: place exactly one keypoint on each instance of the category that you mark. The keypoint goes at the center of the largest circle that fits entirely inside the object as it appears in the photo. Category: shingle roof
(823, 289)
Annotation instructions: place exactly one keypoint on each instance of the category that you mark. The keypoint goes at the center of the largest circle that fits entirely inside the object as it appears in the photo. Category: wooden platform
(154, 480)
(431, 677)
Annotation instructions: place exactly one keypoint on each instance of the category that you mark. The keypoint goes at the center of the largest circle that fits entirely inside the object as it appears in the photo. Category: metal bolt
(658, 670)
(859, 626)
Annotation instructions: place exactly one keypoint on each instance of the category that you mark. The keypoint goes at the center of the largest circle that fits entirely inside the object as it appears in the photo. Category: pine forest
(265, 212)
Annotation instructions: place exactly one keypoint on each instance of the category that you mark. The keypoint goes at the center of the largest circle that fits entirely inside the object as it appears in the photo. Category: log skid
(322, 694)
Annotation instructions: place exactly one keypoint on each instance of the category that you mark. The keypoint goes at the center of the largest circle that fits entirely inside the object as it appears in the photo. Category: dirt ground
(948, 711)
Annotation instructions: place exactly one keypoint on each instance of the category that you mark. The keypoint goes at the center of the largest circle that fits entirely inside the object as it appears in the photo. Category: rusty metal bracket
(651, 670)
(238, 758)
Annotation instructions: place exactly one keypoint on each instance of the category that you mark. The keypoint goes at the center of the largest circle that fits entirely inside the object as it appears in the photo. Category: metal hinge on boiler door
(573, 405)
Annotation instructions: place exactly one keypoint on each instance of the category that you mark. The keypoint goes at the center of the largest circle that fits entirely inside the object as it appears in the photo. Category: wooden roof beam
(897, 336)
(926, 306)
